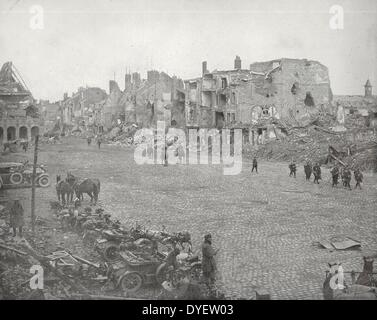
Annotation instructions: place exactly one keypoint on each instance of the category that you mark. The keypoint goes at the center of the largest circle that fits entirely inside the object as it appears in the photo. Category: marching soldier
(317, 173)
(308, 170)
(335, 175)
(293, 169)
(358, 177)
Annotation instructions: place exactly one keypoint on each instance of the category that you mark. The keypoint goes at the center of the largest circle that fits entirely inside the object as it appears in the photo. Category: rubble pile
(88, 255)
(122, 135)
(315, 143)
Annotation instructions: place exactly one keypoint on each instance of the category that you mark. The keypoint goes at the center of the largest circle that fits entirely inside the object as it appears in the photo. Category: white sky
(85, 41)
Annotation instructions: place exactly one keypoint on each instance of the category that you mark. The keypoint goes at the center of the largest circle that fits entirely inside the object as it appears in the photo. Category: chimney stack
(204, 67)
(237, 63)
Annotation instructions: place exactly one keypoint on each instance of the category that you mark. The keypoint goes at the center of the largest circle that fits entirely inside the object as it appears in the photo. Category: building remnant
(19, 117)
(277, 92)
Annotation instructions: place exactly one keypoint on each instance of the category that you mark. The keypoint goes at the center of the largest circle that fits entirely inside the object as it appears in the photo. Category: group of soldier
(344, 173)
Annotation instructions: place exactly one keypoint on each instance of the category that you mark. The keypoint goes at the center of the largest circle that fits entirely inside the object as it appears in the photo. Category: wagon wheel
(16, 178)
(131, 281)
(110, 252)
(44, 181)
(163, 273)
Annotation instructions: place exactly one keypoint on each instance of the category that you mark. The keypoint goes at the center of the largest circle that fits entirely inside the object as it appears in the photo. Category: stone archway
(11, 133)
(23, 134)
(34, 131)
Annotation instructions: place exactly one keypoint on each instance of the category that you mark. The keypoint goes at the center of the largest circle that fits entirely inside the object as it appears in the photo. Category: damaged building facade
(84, 107)
(19, 117)
(144, 101)
(357, 110)
(262, 99)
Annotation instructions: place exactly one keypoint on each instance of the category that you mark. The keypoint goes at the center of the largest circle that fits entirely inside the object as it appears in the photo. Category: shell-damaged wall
(295, 89)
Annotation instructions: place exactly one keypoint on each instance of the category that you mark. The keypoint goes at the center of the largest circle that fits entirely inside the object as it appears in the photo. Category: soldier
(255, 165)
(358, 177)
(308, 170)
(293, 169)
(335, 175)
(17, 217)
(347, 177)
(99, 141)
(317, 173)
(208, 261)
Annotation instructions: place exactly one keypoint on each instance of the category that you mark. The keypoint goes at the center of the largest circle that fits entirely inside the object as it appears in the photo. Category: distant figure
(317, 173)
(255, 165)
(25, 145)
(99, 141)
(89, 140)
(308, 170)
(358, 177)
(347, 177)
(292, 168)
(17, 218)
(335, 175)
(209, 267)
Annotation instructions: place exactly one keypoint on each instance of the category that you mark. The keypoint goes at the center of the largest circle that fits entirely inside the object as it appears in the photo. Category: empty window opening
(309, 101)
(223, 83)
(295, 88)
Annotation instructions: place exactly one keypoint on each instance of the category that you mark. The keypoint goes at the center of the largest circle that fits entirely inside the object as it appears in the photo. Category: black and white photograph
(175, 150)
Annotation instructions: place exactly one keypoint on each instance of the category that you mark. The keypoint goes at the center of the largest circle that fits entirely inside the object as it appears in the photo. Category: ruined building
(262, 98)
(19, 117)
(358, 110)
(84, 107)
(144, 101)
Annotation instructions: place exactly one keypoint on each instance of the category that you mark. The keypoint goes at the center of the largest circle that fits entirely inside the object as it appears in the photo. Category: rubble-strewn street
(267, 225)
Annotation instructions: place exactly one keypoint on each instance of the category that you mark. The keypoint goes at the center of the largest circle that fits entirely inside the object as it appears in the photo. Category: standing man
(99, 141)
(208, 261)
(317, 173)
(255, 165)
(358, 177)
(293, 169)
(335, 175)
(17, 218)
(347, 177)
(89, 140)
(308, 170)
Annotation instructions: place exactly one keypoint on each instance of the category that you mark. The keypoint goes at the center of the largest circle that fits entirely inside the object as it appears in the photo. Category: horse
(365, 278)
(89, 186)
(63, 188)
(336, 289)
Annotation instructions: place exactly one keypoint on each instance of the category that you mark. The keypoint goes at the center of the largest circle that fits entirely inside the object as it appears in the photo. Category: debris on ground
(91, 256)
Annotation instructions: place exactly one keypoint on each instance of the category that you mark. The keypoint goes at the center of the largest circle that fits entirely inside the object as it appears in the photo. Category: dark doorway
(23, 133)
(11, 133)
(34, 132)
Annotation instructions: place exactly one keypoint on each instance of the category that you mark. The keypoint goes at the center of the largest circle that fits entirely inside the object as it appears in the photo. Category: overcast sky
(84, 42)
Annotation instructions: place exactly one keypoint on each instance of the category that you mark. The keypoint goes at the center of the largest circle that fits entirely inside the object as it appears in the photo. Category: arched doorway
(11, 133)
(34, 132)
(23, 133)
(1, 134)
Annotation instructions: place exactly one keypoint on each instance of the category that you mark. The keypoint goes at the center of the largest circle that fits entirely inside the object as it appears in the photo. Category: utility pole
(33, 184)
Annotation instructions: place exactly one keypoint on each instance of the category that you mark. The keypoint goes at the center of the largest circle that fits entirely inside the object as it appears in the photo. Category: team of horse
(72, 185)
(362, 288)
